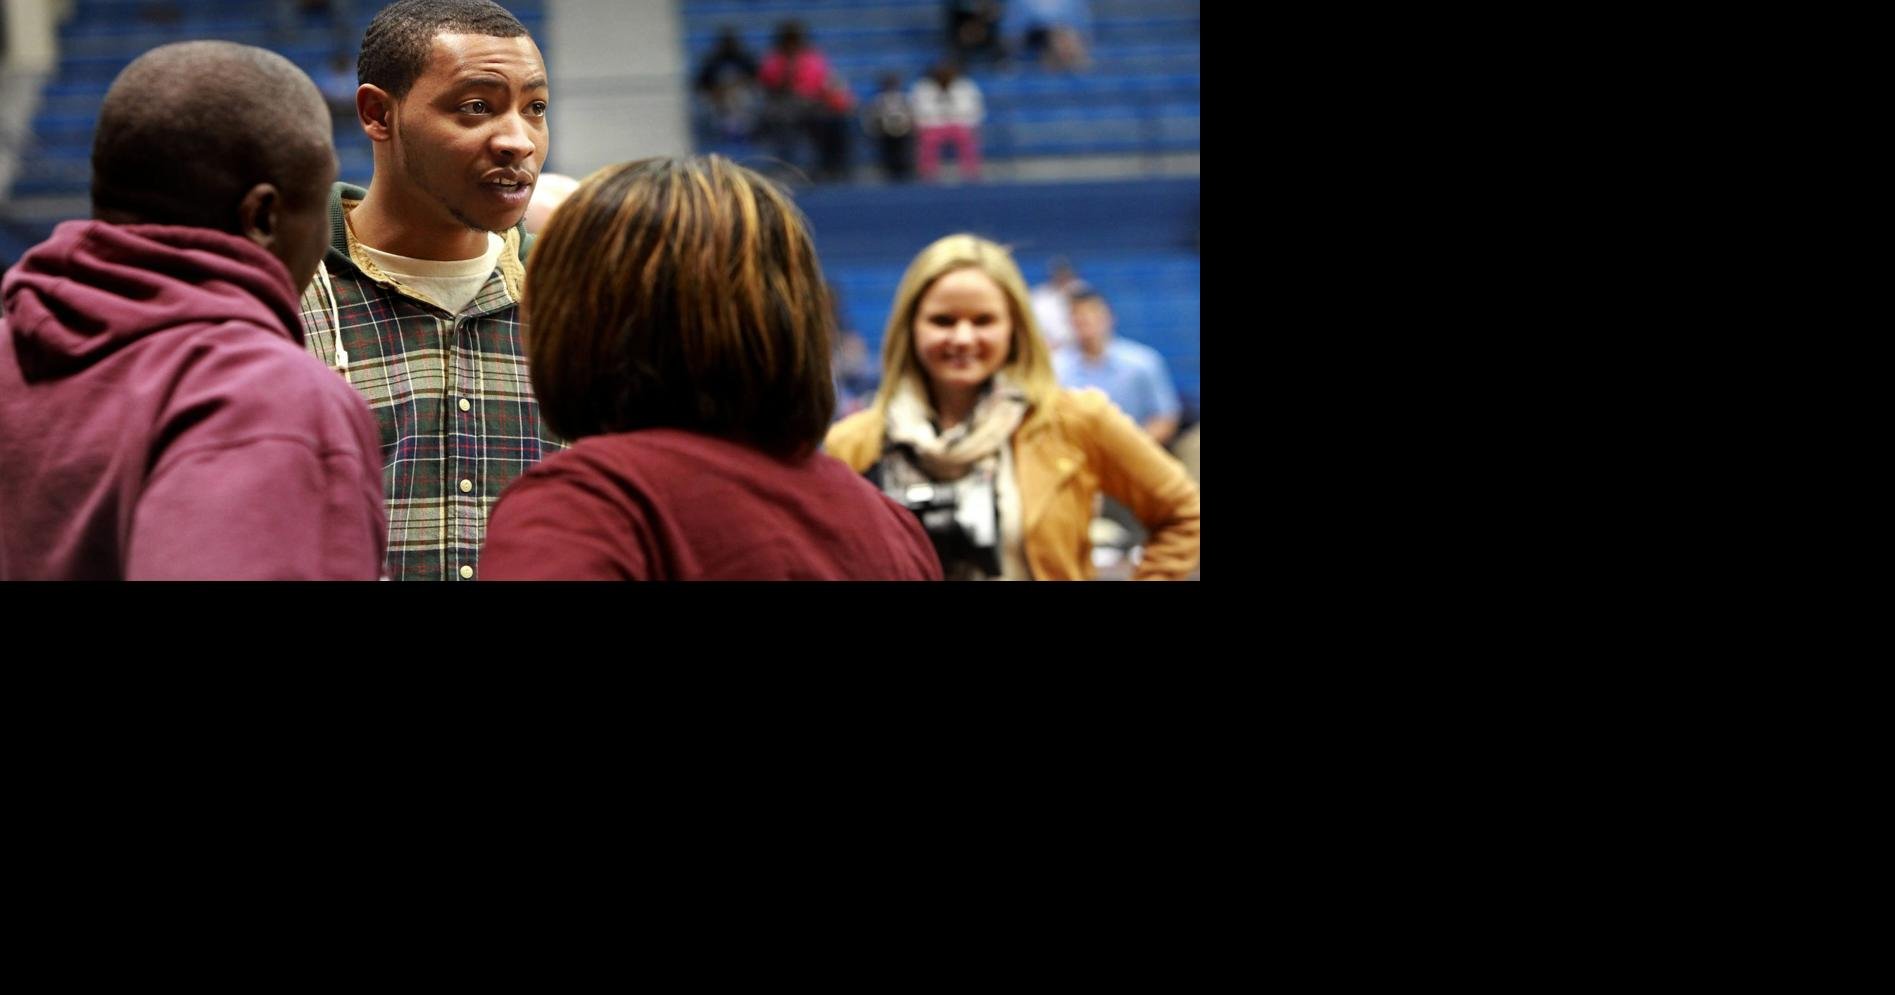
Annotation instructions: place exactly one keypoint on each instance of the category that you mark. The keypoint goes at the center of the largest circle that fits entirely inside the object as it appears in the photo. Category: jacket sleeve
(1151, 482)
(263, 508)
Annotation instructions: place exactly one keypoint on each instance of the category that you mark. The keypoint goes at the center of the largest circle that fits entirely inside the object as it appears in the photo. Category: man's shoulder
(1133, 350)
(1138, 356)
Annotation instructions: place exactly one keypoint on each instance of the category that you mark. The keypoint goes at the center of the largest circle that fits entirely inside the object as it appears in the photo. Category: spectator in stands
(1134, 376)
(1186, 449)
(727, 81)
(158, 415)
(795, 77)
(947, 108)
(163, 13)
(970, 429)
(855, 374)
(337, 84)
(891, 122)
(1056, 32)
(1053, 304)
(834, 128)
(418, 299)
(973, 28)
(681, 334)
(336, 17)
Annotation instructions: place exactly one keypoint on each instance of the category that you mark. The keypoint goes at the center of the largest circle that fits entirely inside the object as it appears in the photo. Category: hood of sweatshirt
(93, 288)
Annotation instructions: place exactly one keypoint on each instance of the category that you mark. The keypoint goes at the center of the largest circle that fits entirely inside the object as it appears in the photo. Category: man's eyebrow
(494, 81)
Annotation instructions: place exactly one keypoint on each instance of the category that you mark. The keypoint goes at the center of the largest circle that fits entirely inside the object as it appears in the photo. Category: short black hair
(396, 45)
(1082, 293)
(187, 129)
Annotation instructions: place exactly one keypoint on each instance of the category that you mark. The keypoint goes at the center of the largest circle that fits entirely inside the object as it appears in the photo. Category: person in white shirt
(1052, 304)
(947, 108)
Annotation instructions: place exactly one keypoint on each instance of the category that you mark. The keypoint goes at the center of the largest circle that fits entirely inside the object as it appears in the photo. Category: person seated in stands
(1054, 31)
(973, 28)
(159, 418)
(338, 83)
(834, 127)
(1186, 449)
(727, 81)
(947, 108)
(681, 335)
(294, 20)
(163, 13)
(890, 121)
(1053, 304)
(971, 431)
(1133, 375)
(795, 77)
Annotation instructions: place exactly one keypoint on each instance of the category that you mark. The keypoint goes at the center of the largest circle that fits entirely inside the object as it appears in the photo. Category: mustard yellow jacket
(1085, 446)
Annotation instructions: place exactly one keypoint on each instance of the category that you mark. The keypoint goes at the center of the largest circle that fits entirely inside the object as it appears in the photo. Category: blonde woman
(973, 434)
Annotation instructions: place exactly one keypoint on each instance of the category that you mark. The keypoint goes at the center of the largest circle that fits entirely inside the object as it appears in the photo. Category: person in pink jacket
(159, 417)
(795, 77)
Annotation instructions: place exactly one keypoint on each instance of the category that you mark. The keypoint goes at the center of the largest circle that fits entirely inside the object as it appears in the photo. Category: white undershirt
(451, 283)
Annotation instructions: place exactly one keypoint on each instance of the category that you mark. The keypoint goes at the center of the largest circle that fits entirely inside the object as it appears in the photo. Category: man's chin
(497, 226)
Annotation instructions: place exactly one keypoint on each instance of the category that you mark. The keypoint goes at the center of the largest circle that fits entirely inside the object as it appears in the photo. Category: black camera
(961, 517)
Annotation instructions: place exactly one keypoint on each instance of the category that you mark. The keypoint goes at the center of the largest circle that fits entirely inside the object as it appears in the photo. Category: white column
(616, 71)
(31, 44)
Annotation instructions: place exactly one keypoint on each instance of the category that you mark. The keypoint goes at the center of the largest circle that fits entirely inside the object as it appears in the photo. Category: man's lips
(510, 188)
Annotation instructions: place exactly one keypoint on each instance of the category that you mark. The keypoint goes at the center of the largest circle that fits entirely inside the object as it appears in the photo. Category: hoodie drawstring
(335, 321)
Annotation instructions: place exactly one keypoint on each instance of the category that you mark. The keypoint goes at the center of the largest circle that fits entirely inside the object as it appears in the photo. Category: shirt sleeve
(557, 526)
(1164, 394)
(771, 74)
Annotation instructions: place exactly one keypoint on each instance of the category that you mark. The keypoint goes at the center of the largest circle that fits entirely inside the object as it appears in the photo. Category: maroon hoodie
(160, 419)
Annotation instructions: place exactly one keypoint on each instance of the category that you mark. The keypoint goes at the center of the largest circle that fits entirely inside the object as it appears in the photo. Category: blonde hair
(1029, 364)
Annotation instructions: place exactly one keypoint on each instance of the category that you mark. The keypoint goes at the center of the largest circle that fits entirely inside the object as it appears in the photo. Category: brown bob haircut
(681, 293)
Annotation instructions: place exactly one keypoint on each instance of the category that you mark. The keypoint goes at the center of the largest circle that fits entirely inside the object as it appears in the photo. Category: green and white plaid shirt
(450, 392)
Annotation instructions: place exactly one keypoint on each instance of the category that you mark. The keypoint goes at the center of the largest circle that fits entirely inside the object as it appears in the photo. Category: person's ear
(375, 109)
(257, 215)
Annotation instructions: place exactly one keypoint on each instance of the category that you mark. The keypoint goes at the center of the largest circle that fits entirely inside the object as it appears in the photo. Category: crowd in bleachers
(891, 85)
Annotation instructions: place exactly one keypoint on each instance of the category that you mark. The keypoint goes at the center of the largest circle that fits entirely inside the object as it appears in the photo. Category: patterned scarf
(949, 455)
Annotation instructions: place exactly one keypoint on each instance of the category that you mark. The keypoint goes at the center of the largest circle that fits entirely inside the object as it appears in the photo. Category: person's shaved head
(188, 130)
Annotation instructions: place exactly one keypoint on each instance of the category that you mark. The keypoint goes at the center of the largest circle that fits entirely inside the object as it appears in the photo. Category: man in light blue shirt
(1134, 376)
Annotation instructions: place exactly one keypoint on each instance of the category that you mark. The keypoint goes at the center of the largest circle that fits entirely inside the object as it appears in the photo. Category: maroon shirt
(160, 419)
(663, 504)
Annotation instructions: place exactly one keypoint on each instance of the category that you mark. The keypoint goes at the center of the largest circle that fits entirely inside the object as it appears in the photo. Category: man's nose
(513, 140)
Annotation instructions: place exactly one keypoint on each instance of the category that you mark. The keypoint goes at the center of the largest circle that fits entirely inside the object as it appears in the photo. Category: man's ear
(375, 109)
(257, 215)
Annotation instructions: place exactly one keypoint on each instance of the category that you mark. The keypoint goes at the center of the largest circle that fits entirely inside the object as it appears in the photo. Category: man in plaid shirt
(418, 299)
